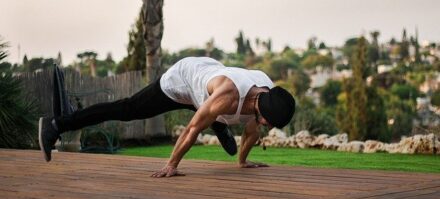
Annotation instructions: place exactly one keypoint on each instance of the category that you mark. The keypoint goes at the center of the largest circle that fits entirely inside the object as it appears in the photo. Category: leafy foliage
(314, 60)
(361, 110)
(435, 98)
(17, 114)
(329, 93)
(316, 121)
(405, 91)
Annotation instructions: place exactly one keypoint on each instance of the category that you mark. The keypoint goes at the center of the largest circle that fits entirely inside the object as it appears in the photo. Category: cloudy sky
(45, 27)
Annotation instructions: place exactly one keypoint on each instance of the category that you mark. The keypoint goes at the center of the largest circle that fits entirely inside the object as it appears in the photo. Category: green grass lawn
(304, 157)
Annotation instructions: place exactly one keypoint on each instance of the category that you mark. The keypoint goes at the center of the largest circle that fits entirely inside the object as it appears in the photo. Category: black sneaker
(225, 137)
(47, 136)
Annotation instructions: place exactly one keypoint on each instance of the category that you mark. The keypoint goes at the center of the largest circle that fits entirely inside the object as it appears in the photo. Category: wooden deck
(24, 174)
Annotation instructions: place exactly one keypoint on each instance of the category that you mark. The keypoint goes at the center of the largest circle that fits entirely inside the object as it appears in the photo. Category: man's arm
(248, 139)
(218, 103)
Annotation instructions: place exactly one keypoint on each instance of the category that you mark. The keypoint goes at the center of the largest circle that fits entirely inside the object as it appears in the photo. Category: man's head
(276, 106)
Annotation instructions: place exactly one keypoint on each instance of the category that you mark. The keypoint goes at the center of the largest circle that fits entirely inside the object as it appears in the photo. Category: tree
(136, 47)
(135, 59)
(400, 114)
(329, 93)
(313, 60)
(298, 83)
(361, 112)
(17, 114)
(311, 43)
(268, 45)
(405, 91)
(4, 66)
(322, 45)
(373, 50)
(404, 46)
(377, 128)
(59, 59)
(350, 47)
(280, 68)
(356, 97)
(415, 43)
(435, 98)
(88, 58)
(25, 60)
(152, 19)
(387, 79)
(241, 46)
(38, 63)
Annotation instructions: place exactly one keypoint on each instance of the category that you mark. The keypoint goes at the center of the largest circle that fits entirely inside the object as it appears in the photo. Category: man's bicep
(206, 115)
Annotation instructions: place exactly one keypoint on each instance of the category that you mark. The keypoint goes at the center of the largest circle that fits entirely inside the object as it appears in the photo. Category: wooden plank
(75, 175)
(403, 191)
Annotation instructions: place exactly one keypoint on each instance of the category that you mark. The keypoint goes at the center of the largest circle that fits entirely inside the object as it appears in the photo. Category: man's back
(186, 82)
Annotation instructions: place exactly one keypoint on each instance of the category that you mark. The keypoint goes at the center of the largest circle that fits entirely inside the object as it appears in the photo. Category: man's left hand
(167, 171)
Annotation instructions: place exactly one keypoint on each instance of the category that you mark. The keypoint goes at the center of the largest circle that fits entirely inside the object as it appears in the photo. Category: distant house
(384, 68)
(428, 115)
(319, 78)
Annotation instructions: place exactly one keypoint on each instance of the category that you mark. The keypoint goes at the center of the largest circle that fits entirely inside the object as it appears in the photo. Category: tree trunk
(93, 68)
(153, 30)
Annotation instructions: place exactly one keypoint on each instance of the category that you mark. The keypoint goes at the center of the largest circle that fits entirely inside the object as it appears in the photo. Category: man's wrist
(172, 164)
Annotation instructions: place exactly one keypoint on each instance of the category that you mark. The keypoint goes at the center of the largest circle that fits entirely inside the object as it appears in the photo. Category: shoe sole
(40, 140)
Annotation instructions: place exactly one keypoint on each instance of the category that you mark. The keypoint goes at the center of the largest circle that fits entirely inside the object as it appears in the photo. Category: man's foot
(47, 136)
(225, 137)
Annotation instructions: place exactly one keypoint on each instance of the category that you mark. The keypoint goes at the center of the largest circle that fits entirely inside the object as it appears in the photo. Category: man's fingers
(158, 174)
(262, 164)
(167, 173)
(250, 164)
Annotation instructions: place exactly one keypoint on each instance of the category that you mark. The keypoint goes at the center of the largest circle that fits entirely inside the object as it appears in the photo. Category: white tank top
(186, 82)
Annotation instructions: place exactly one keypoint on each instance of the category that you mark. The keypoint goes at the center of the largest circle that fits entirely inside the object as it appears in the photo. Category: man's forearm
(247, 144)
(183, 144)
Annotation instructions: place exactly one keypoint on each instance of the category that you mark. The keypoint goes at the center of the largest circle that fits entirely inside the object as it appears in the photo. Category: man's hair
(277, 106)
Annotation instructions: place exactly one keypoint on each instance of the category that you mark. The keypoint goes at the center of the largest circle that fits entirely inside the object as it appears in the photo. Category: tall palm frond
(18, 115)
(3, 46)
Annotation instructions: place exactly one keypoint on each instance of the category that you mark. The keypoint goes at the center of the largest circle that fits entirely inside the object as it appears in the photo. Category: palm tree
(18, 115)
(152, 19)
(3, 45)
(89, 58)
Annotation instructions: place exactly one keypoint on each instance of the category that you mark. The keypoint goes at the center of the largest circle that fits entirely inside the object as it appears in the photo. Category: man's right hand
(249, 164)
(167, 171)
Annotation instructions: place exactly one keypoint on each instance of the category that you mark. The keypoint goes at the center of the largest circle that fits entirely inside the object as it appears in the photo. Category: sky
(42, 28)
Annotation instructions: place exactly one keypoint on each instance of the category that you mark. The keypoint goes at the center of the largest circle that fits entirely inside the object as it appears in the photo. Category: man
(221, 95)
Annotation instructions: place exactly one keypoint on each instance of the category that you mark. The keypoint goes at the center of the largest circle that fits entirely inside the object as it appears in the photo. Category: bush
(316, 121)
(18, 115)
(435, 98)
(404, 91)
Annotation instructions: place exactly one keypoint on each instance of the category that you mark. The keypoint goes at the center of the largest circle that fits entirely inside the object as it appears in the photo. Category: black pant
(147, 103)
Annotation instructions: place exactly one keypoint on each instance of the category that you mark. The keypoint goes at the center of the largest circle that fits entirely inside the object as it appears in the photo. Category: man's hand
(167, 171)
(249, 164)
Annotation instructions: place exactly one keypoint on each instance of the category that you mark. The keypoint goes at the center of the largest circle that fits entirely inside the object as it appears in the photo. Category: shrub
(18, 115)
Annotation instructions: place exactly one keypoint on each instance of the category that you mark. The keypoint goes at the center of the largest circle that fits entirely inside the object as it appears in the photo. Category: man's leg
(148, 102)
(225, 137)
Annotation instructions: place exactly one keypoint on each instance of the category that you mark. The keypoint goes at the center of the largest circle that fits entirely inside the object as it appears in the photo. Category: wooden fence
(38, 86)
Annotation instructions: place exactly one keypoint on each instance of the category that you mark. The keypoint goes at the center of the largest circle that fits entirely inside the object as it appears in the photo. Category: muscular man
(219, 94)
